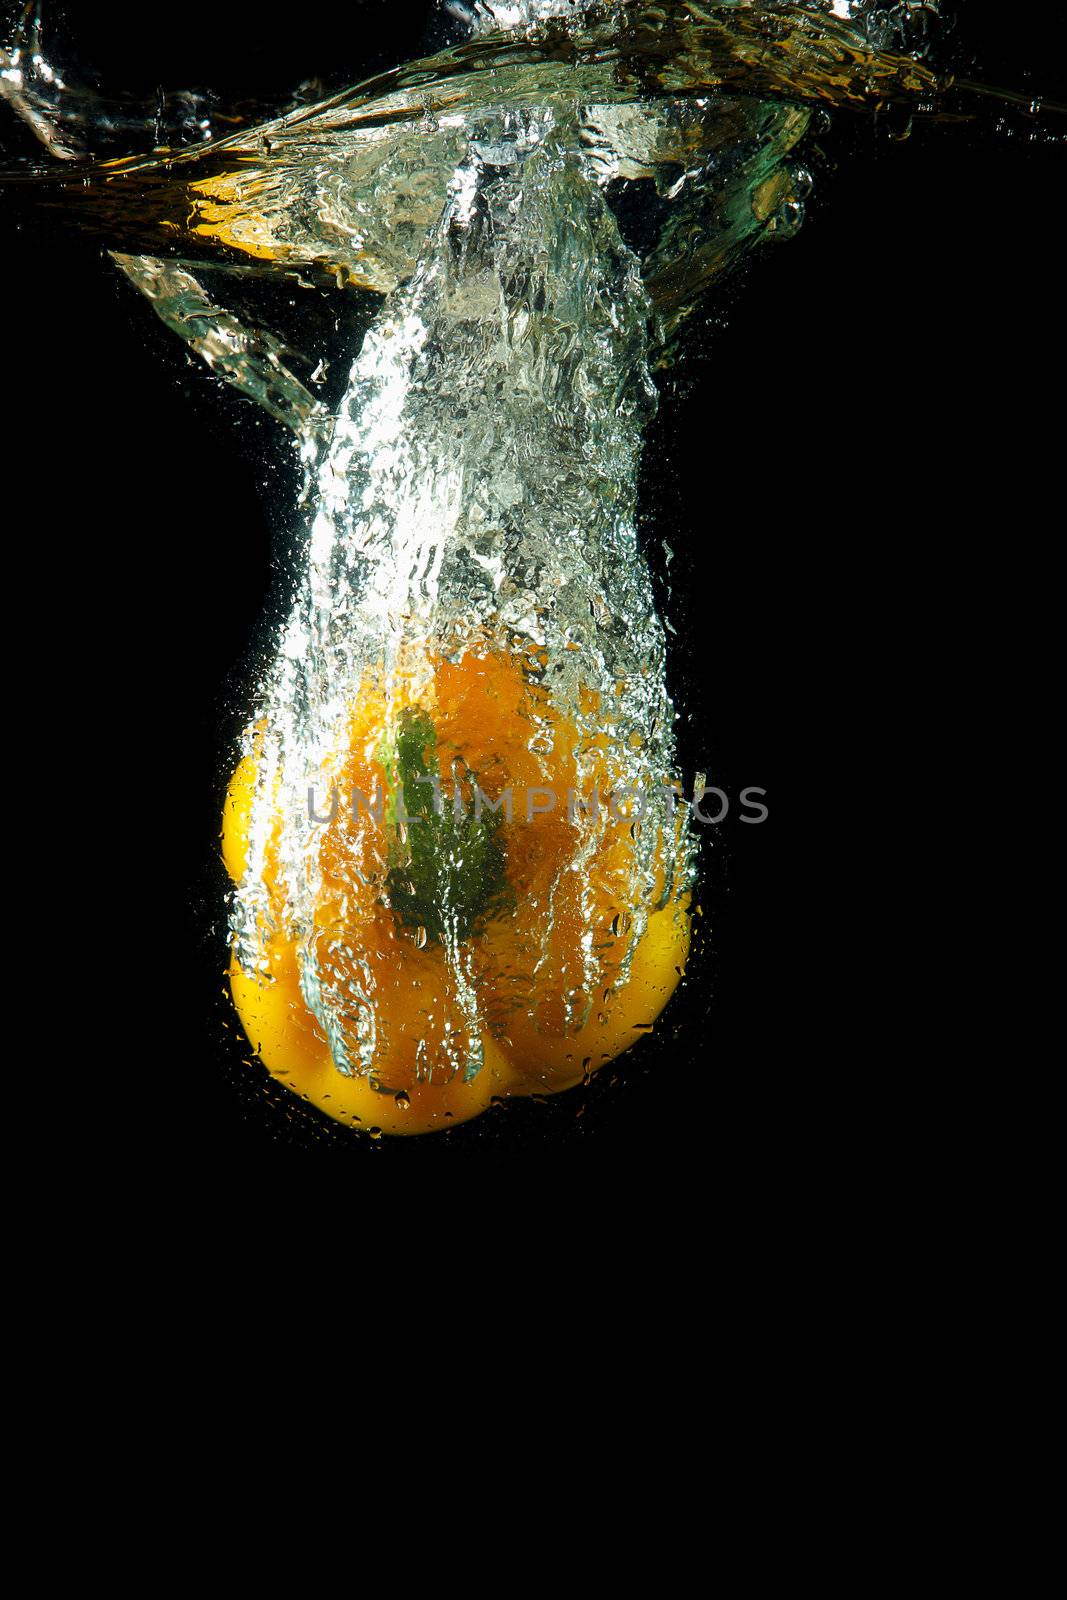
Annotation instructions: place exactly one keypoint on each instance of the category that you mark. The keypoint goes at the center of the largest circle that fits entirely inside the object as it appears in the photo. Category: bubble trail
(474, 510)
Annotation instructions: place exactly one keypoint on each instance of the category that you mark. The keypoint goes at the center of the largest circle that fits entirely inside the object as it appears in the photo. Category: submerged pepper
(457, 953)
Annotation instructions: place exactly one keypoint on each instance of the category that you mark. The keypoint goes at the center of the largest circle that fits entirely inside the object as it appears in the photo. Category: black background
(855, 467)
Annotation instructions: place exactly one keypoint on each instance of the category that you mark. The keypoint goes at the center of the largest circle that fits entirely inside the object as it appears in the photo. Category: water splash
(477, 498)
(473, 615)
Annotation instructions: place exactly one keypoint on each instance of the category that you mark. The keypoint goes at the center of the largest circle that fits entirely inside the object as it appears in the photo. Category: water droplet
(787, 220)
(803, 183)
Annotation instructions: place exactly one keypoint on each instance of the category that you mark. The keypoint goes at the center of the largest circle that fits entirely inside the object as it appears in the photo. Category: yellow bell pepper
(541, 910)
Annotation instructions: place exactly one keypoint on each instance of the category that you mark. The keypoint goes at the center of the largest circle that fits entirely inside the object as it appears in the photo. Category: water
(475, 504)
(471, 603)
